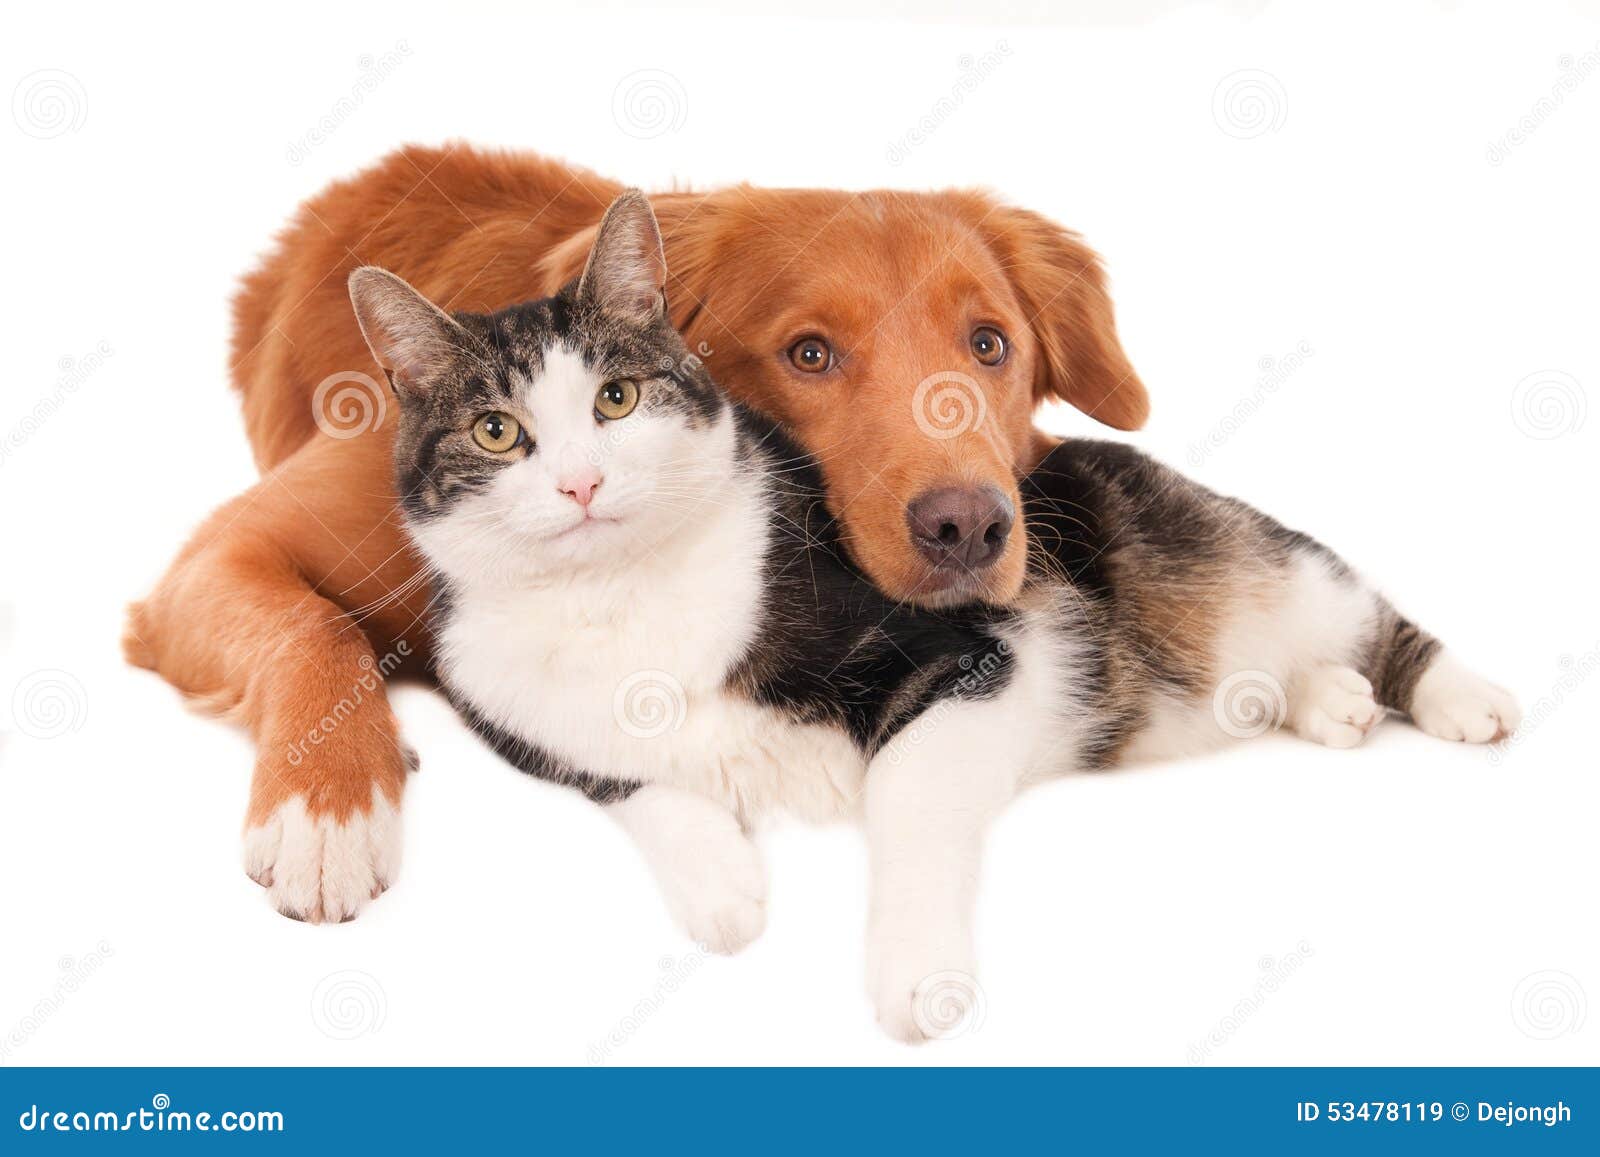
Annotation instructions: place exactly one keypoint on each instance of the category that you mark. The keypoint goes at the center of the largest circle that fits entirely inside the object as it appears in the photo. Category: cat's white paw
(709, 871)
(921, 988)
(1333, 706)
(1451, 702)
(321, 870)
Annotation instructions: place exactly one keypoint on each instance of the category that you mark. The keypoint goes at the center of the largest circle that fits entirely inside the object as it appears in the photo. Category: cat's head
(561, 433)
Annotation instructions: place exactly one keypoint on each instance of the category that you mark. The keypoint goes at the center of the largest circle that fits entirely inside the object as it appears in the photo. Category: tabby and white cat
(642, 595)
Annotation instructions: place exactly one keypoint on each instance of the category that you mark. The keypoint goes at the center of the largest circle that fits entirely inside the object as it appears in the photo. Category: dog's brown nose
(960, 526)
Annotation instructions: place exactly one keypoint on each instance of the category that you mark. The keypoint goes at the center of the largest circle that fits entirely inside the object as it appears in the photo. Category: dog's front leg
(930, 795)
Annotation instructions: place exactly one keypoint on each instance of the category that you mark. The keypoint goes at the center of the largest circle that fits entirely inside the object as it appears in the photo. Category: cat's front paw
(1451, 702)
(710, 872)
(1334, 706)
(720, 896)
(923, 990)
(319, 868)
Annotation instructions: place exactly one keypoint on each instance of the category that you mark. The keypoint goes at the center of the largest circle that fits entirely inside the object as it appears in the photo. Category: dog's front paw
(923, 990)
(1451, 702)
(318, 867)
(1334, 706)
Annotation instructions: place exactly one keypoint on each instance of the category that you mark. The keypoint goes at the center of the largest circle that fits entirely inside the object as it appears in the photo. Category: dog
(905, 338)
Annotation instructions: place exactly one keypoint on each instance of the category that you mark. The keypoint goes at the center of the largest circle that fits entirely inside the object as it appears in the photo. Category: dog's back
(478, 230)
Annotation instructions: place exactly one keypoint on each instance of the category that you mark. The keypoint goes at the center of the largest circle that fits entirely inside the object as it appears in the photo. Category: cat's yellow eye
(616, 399)
(496, 432)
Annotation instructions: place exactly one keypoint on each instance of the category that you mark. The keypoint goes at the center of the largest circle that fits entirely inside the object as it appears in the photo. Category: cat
(642, 595)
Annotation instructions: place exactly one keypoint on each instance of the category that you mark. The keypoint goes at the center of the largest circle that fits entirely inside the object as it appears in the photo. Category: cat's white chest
(624, 675)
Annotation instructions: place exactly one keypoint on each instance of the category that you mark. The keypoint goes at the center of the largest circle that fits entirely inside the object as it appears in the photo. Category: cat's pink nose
(580, 486)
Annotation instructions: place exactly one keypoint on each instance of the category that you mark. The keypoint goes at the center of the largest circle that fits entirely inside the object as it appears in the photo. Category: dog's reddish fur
(280, 604)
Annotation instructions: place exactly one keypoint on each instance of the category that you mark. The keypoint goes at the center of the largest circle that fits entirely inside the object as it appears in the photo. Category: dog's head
(906, 339)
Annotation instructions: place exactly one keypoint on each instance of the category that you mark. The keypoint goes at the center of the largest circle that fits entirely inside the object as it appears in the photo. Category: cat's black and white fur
(654, 607)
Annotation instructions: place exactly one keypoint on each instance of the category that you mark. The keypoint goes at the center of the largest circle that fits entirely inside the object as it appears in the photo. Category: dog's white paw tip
(319, 870)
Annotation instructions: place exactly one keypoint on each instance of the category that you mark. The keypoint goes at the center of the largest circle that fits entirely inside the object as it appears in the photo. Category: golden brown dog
(907, 339)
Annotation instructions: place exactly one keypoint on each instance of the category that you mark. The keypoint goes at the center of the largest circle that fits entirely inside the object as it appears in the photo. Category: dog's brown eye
(496, 432)
(811, 354)
(988, 345)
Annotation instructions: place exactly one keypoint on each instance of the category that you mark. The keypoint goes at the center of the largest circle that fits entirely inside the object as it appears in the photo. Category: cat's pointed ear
(627, 269)
(413, 339)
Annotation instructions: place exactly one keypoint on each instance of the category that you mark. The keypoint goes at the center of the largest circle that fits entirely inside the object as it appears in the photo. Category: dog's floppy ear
(1060, 283)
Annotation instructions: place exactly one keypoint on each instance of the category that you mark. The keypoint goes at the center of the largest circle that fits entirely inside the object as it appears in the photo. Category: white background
(1405, 893)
